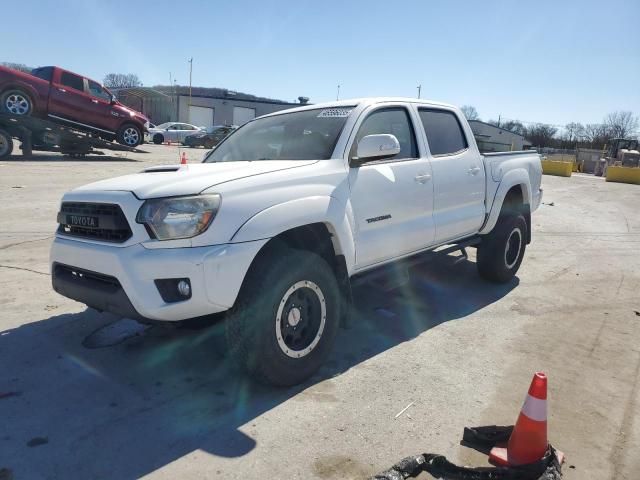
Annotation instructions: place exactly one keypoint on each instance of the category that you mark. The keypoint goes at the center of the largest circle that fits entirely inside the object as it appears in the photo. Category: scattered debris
(550, 204)
(18, 186)
(48, 308)
(37, 441)
(404, 410)
(9, 394)
(385, 313)
(637, 313)
(481, 439)
(6, 474)
(114, 333)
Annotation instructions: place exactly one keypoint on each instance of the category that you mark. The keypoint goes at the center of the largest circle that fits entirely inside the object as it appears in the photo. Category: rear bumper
(121, 279)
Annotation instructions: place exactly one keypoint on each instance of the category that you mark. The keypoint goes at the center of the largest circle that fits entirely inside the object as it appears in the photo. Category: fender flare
(276, 219)
(516, 177)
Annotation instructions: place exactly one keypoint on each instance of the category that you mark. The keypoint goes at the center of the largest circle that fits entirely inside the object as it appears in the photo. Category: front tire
(129, 135)
(158, 138)
(501, 252)
(6, 145)
(16, 102)
(286, 317)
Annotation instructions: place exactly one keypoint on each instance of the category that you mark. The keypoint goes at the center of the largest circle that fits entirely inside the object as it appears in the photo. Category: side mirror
(113, 100)
(375, 147)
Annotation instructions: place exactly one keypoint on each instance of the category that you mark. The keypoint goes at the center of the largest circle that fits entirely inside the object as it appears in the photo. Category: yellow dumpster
(623, 174)
(560, 169)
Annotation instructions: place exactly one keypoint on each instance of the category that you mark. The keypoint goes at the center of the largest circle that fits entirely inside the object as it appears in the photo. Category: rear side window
(45, 73)
(444, 132)
(72, 81)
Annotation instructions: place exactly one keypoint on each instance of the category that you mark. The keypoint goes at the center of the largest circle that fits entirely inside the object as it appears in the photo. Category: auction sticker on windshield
(335, 113)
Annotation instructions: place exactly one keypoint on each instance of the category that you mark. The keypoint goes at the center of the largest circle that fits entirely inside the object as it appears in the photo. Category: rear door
(458, 175)
(67, 97)
(392, 198)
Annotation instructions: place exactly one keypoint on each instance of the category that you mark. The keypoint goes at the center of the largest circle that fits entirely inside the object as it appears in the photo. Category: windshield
(304, 135)
(164, 125)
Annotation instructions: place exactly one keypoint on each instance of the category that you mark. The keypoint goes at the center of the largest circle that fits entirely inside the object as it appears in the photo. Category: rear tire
(6, 145)
(501, 252)
(129, 135)
(286, 317)
(16, 102)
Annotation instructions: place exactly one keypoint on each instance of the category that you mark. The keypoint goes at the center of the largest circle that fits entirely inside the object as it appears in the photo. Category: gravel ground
(85, 395)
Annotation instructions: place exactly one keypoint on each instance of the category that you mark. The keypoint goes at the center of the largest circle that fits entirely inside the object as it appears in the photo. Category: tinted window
(444, 133)
(304, 135)
(44, 73)
(394, 121)
(72, 81)
(97, 91)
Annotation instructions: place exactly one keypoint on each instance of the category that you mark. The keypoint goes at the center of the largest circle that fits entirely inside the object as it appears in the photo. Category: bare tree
(541, 135)
(621, 124)
(17, 66)
(573, 132)
(596, 134)
(121, 80)
(514, 126)
(470, 112)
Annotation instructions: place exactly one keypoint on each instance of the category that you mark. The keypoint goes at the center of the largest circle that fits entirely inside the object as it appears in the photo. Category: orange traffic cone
(183, 159)
(528, 442)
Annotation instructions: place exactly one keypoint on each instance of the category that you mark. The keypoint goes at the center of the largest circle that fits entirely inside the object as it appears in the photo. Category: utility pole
(419, 90)
(190, 72)
(338, 93)
(499, 120)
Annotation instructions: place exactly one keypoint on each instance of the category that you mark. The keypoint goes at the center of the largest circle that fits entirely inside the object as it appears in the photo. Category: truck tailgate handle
(474, 170)
(422, 178)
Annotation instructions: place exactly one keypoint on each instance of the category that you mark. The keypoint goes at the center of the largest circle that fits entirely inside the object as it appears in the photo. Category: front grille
(112, 223)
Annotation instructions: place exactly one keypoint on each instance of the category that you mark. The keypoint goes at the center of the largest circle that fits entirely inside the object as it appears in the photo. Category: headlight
(178, 217)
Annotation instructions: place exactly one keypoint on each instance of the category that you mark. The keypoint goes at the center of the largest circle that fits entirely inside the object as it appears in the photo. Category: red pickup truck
(68, 98)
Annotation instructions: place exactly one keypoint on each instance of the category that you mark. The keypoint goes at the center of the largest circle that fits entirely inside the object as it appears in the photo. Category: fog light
(184, 288)
(174, 289)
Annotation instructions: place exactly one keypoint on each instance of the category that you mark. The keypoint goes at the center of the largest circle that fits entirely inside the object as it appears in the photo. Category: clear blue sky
(549, 61)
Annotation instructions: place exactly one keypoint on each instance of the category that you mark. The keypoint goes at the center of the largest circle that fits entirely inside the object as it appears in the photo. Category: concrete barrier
(560, 169)
(623, 174)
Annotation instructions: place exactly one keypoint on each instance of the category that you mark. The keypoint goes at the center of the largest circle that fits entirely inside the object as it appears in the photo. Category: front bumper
(121, 279)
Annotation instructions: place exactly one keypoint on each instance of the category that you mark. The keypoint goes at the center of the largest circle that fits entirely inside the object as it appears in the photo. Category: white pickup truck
(283, 214)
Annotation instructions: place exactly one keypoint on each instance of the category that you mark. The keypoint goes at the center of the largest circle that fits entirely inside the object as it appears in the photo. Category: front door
(391, 198)
(99, 108)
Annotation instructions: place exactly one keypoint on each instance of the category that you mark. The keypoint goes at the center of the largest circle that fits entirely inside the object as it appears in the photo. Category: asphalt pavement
(88, 395)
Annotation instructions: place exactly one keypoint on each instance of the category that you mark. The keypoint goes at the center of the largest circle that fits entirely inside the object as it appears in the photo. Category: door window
(394, 121)
(96, 90)
(72, 81)
(45, 73)
(444, 132)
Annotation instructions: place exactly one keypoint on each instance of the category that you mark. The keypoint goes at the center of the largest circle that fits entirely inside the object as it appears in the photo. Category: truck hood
(190, 179)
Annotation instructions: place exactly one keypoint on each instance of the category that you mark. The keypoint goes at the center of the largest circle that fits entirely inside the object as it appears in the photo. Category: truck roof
(361, 101)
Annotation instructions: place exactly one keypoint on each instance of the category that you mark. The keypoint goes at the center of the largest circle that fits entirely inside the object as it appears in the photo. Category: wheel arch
(514, 192)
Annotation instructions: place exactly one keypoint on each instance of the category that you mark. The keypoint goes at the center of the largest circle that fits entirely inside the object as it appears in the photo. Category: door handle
(473, 170)
(422, 178)
(62, 90)
(94, 101)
